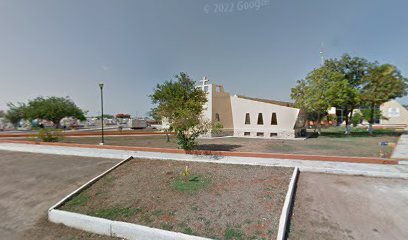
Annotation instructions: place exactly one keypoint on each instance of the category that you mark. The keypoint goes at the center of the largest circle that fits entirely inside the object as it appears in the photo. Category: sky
(257, 48)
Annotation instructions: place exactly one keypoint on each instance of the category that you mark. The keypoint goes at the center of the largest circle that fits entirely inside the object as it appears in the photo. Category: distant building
(252, 117)
(396, 114)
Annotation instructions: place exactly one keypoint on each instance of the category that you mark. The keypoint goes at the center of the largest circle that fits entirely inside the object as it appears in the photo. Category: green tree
(153, 114)
(15, 113)
(181, 104)
(320, 90)
(52, 109)
(353, 69)
(367, 114)
(381, 84)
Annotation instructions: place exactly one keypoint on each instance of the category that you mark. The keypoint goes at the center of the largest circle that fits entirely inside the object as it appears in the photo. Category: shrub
(50, 135)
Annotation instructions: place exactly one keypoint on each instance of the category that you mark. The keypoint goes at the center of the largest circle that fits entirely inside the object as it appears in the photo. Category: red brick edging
(370, 160)
(74, 134)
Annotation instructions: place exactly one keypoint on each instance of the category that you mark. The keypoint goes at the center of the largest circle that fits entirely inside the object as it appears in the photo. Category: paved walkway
(349, 207)
(401, 150)
(31, 183)
(377, 170)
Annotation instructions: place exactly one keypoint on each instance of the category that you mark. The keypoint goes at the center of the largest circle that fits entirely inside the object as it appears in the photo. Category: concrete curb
(138, 232)
(404, 162)
(285, 215)
(79, 221)
(115, 228)
(108, 227)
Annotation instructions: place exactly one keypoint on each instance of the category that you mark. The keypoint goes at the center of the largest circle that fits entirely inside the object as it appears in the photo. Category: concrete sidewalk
(31, 183)
(401, 150)
(374, 170)
(349, 207)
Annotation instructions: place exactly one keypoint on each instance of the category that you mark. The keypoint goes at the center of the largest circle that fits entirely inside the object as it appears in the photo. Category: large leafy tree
(354, 69)
(320, 90)
(381, 84)
(53, 109)
(180, 103)
(15, 113)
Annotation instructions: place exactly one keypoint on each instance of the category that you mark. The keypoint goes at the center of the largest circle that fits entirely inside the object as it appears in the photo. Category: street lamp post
(102, 139)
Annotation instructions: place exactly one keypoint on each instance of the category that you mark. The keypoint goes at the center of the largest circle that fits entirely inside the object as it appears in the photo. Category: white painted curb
(108, 227)
(115, 228)
(284, 218)
(80, 221)
(138, 232)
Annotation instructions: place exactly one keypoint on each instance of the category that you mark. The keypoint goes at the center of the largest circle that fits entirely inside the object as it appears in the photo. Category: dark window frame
(217, 117)
(260, 119)
(274, 119)
(247, 119)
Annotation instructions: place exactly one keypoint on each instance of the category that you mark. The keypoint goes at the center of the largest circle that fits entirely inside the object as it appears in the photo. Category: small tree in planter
(181, 104)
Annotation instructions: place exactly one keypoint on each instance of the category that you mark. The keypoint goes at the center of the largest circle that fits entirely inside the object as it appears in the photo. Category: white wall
(286, 118)
(395, 112)
(207, 112)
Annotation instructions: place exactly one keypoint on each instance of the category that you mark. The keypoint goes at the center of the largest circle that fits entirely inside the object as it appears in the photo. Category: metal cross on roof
(204, 81)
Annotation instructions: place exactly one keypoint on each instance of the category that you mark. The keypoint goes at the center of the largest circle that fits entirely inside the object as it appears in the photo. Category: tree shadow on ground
(355, 133)
(218, 147)
(360, 134)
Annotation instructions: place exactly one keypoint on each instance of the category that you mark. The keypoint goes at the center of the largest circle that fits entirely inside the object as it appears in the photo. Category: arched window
(247, 119)
(274, 120)
(217, 117)
(260, 119)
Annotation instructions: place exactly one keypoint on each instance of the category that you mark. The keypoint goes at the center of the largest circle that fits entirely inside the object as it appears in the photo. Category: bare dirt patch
(332, 207)
(31, 183)
(217, 200)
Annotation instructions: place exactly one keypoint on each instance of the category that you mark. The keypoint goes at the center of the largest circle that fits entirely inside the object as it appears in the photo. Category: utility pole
(102, 139)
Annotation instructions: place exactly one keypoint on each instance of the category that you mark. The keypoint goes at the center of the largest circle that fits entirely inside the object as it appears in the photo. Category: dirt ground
(332, 207)
(31, 183)
(228, 202)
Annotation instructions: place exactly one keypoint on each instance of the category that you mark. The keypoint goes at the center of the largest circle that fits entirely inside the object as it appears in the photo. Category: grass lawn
(331, 142)
(220, 201)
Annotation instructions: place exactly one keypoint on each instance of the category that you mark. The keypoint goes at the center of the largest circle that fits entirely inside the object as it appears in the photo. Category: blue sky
(64, 48)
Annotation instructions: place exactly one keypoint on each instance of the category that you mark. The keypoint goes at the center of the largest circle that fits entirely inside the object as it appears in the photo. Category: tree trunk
(348, 126)
(315, 127)
(167, 136)
(347, 120)
(57, 125)
(371, 120)
(318, 124)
